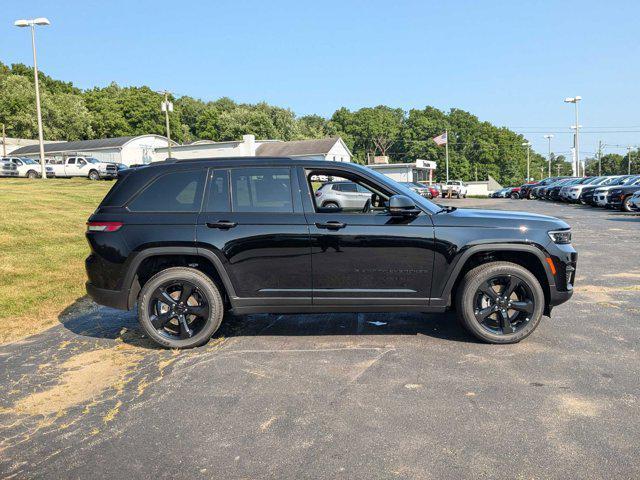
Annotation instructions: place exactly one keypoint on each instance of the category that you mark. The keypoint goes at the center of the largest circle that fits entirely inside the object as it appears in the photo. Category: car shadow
(86, 319)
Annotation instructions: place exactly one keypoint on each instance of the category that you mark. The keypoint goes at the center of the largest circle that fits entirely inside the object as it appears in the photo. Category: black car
(620, 197)
(190, 240)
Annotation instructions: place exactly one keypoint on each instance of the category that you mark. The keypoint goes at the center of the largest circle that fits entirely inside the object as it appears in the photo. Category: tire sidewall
(204, 284)
(93, 175)
(467, 291)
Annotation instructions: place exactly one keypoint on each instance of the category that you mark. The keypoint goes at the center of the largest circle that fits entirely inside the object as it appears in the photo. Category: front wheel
(31, 174)
(514, 196)
(500, 302)
(180, 307)
(626, 204)
(93, 175)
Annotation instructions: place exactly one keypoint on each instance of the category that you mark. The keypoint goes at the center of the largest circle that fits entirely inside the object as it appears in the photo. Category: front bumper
(109, 298)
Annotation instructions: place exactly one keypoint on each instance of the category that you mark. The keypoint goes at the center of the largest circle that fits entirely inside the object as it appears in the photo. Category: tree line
(476, 148)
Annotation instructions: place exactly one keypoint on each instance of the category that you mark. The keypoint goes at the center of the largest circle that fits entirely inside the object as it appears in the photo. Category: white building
(419, 171)
(333, 149)
(128, 150)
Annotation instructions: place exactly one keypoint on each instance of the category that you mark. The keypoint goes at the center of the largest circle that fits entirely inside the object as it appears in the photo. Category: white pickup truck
(88, 167)
(25, 167)
(458, 189)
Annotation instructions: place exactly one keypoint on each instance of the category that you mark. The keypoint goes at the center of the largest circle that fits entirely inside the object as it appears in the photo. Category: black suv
(189, 240)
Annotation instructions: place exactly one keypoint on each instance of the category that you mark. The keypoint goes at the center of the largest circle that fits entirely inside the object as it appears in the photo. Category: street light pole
(599, 157)
(32, 23)
(629, 160)
(575, 101)
(549, 137)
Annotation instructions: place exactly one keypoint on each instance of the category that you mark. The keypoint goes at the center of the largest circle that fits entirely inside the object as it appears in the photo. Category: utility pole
(629, 164)
(558, 169)
(549, 137)
(167, 107)
(4, 142)
(476, 172)
(599, 157)
(542, 172)
(528, 145)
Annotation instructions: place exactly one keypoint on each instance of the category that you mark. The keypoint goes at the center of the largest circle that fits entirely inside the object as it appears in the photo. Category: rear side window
(261, 190)
(172, 192)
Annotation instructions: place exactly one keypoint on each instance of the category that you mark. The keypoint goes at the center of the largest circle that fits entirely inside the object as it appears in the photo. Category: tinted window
(218, 195)
(261, 190)
(345, 187)
(172, 192)
(72, 161)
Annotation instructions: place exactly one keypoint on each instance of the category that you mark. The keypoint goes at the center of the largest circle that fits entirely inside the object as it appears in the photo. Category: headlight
(562, 237)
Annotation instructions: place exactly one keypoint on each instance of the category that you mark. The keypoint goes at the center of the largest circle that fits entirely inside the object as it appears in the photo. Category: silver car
(345, 195)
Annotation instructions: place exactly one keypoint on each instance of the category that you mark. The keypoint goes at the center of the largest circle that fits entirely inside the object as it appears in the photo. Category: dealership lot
(352, 395)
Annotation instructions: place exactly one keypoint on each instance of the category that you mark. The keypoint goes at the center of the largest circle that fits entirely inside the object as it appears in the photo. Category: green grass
(42, 249)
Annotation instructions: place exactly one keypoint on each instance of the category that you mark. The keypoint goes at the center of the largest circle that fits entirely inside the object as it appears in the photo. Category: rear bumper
(109, 298)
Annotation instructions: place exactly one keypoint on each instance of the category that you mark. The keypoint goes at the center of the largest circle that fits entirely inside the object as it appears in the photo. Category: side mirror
(402, 206)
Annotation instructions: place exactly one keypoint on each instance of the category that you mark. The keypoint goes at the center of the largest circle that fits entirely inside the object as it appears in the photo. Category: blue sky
(511, 63)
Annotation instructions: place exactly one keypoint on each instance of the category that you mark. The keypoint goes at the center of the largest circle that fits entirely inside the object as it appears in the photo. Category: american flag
(441, 139)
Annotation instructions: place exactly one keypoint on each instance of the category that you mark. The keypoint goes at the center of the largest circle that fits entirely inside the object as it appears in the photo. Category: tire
(468, 294)
(464, 196)
(94, 175)
(31, 174)
(515, 196)
(626, 204)
(330, 205)
(170, 335)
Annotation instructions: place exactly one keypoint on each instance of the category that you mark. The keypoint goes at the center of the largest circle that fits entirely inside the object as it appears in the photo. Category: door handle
(222, 224)
(331, 225)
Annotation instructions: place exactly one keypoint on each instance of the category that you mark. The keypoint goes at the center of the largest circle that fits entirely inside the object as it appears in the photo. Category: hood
(471, 217)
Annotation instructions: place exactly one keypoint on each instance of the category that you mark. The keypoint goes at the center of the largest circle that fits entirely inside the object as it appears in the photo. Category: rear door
(252, 220)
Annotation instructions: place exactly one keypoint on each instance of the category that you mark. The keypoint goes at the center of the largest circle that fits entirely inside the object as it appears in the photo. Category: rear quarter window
(171, 192)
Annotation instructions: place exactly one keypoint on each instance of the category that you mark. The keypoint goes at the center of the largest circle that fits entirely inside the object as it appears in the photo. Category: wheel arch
(528, 256)
(150, 261)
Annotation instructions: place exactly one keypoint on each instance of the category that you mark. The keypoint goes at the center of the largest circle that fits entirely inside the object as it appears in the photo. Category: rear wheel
(180, 308)
(500, 302)
(330, 205)
(514, 196)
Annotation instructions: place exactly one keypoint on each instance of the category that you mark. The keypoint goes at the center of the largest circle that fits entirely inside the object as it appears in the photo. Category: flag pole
(446, 152)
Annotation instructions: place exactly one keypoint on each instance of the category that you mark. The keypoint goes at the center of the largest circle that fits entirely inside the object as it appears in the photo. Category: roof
(296, 148)
(78, 146)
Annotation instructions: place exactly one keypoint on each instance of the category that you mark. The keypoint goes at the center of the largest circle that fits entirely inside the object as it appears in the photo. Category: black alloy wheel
(178, 310)
(504, 304)
(500, 302)
(180, 307)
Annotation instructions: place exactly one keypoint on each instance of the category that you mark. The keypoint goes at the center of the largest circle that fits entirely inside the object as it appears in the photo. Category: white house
(419, 171)
(128, 150)
(333, 149)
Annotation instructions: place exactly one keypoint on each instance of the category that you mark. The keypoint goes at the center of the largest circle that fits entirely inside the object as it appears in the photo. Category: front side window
(171, 192)
(261, 190)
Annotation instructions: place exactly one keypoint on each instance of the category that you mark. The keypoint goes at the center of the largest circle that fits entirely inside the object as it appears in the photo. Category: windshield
(29, 161)
(418, 199)
(92, 160)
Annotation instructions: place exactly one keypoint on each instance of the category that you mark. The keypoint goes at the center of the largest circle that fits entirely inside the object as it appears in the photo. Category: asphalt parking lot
(343, 395)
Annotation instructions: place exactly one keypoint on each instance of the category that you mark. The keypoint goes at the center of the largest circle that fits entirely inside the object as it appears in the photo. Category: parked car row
(80, 166)
(21, 167)
(611, 191)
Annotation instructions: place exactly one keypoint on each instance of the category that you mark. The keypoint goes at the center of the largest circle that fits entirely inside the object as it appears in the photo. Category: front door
(364, 256)
(253, 221)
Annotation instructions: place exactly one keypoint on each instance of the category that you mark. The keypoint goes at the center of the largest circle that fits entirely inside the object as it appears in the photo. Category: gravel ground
(343, 395)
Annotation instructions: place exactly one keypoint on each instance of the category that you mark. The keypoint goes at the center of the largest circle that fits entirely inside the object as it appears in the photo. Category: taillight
(318, 193)
(103, 226)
